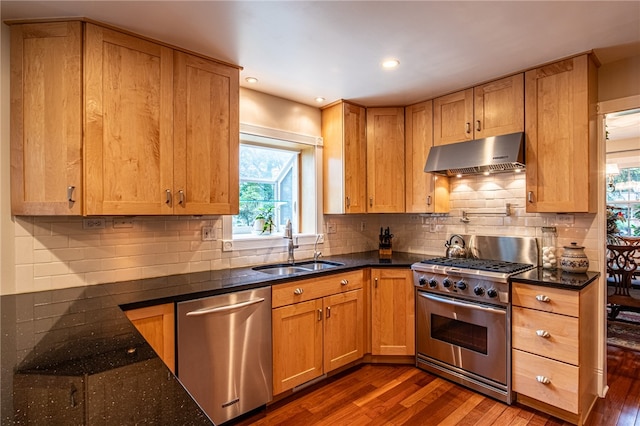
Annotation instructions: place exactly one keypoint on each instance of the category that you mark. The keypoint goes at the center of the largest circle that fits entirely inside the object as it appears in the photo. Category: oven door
(466, 335)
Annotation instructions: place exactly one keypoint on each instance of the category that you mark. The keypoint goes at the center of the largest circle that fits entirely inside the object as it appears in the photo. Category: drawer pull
(298, 291)
(543, 298)
(544, 380)
(543, 333)
(344, 281)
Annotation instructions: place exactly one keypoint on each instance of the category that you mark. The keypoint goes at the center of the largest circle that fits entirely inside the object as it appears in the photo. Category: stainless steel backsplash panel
(509, 249)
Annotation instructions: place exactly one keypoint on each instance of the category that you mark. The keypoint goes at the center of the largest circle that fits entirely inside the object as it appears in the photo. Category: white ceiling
(301, 49)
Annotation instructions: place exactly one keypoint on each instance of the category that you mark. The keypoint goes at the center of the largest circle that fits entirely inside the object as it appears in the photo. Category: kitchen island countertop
(71, 356)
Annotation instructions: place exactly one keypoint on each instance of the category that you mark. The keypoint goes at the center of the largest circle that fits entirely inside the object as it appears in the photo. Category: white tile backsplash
(56, 252)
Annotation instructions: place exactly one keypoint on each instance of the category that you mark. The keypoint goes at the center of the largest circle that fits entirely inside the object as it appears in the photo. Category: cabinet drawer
(558, 301)
(314, 288)
(561, 342)
(562, 389)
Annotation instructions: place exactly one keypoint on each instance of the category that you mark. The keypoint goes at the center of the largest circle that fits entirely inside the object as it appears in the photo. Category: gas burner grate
(480, 264)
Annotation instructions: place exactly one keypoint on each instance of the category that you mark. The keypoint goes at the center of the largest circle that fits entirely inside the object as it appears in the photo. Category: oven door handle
(460, 303)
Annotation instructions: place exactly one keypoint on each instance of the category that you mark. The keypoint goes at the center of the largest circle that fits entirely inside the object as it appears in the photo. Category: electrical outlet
(227, 245)
(331, 228)
(93, 223)
(123, 222)
(320, 238)
(208, 233)
(566, 219)
(363, 226)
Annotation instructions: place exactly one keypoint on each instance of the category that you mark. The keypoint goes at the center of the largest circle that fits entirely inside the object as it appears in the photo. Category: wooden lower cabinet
(392, 312)
(157, 326)
(554, 352)
(313, 337)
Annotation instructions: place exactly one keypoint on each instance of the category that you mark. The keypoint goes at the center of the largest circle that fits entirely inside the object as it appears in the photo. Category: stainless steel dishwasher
(224, 352)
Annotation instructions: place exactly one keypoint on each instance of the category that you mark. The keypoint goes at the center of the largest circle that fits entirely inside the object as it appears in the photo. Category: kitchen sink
(288, 269)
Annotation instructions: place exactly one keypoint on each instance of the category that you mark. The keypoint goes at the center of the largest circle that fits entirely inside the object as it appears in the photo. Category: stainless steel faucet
(288, 234)
(316, 253)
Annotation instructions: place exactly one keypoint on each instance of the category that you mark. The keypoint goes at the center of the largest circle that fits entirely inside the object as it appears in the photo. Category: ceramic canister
(574, 259)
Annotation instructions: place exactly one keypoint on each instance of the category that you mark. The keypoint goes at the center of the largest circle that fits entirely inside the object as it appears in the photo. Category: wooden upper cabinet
(385, 160)
(206, 136)
(344, 158)
(128, 124)
(452, 117)
(498, 107)
(490, 109)
(162, 129)
(46, 119)
(425, 192)
(560, 134)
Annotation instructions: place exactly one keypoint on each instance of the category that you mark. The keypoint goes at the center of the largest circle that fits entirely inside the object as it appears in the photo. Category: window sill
(251, 242)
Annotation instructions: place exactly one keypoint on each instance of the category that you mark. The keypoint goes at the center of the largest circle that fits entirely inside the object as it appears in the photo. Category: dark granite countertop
(556, 278)
(71, 356)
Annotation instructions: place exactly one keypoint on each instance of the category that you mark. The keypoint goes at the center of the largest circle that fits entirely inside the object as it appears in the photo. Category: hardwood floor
(405, 395)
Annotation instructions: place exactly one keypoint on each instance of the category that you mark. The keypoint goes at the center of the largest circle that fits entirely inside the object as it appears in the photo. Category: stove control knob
(446, 283)
(422, 281)
(433, 283)
(492, 292)
(478, 291)
(461, 285)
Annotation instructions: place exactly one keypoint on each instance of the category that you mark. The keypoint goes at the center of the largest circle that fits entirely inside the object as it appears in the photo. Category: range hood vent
(496, 154)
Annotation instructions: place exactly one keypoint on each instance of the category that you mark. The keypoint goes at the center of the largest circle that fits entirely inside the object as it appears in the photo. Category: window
(268, 190)
(279, 181)
(623, 196)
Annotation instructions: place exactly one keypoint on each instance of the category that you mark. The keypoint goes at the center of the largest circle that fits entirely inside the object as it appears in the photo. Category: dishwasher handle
(226, 308)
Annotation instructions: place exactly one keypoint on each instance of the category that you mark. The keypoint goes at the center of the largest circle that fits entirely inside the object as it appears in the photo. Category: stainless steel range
(463, 312)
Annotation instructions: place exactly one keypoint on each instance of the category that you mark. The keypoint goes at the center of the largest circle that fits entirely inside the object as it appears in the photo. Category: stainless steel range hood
(495, 154)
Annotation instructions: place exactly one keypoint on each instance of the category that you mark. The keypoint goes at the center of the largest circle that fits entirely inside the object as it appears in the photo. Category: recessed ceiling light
(319, 99)
(251, 80)
(486, 173)
(390, 63)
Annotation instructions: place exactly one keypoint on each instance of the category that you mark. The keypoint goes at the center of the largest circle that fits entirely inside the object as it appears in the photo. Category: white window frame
(255, 134)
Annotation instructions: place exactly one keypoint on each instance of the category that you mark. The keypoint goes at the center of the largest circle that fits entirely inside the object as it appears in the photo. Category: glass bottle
(549, 250)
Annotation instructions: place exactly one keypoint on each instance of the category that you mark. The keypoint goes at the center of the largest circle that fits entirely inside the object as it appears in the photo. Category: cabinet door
(385, 160)
(297, 344)
(343, 329)
(157, 325)
(498, 107)
(392, 312)
(560, 137)
(452, 117)
(425, 192)
(46, 119)
(344, 158)
(128, 124)
(206, 137)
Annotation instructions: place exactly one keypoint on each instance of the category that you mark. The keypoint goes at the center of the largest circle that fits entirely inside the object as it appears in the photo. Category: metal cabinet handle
(370, 201)
(328, 311)
(348, 202)
(375, 282)
(319, 314)
(344, 282)
(428, 200)
(543, 333)
(181, 197)
(477, 125)
(544, 380)
(467, 126)
(530, 196)
(70, 194)
(167, 193)
(543, 298)
(72, 396)
(298, 291)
